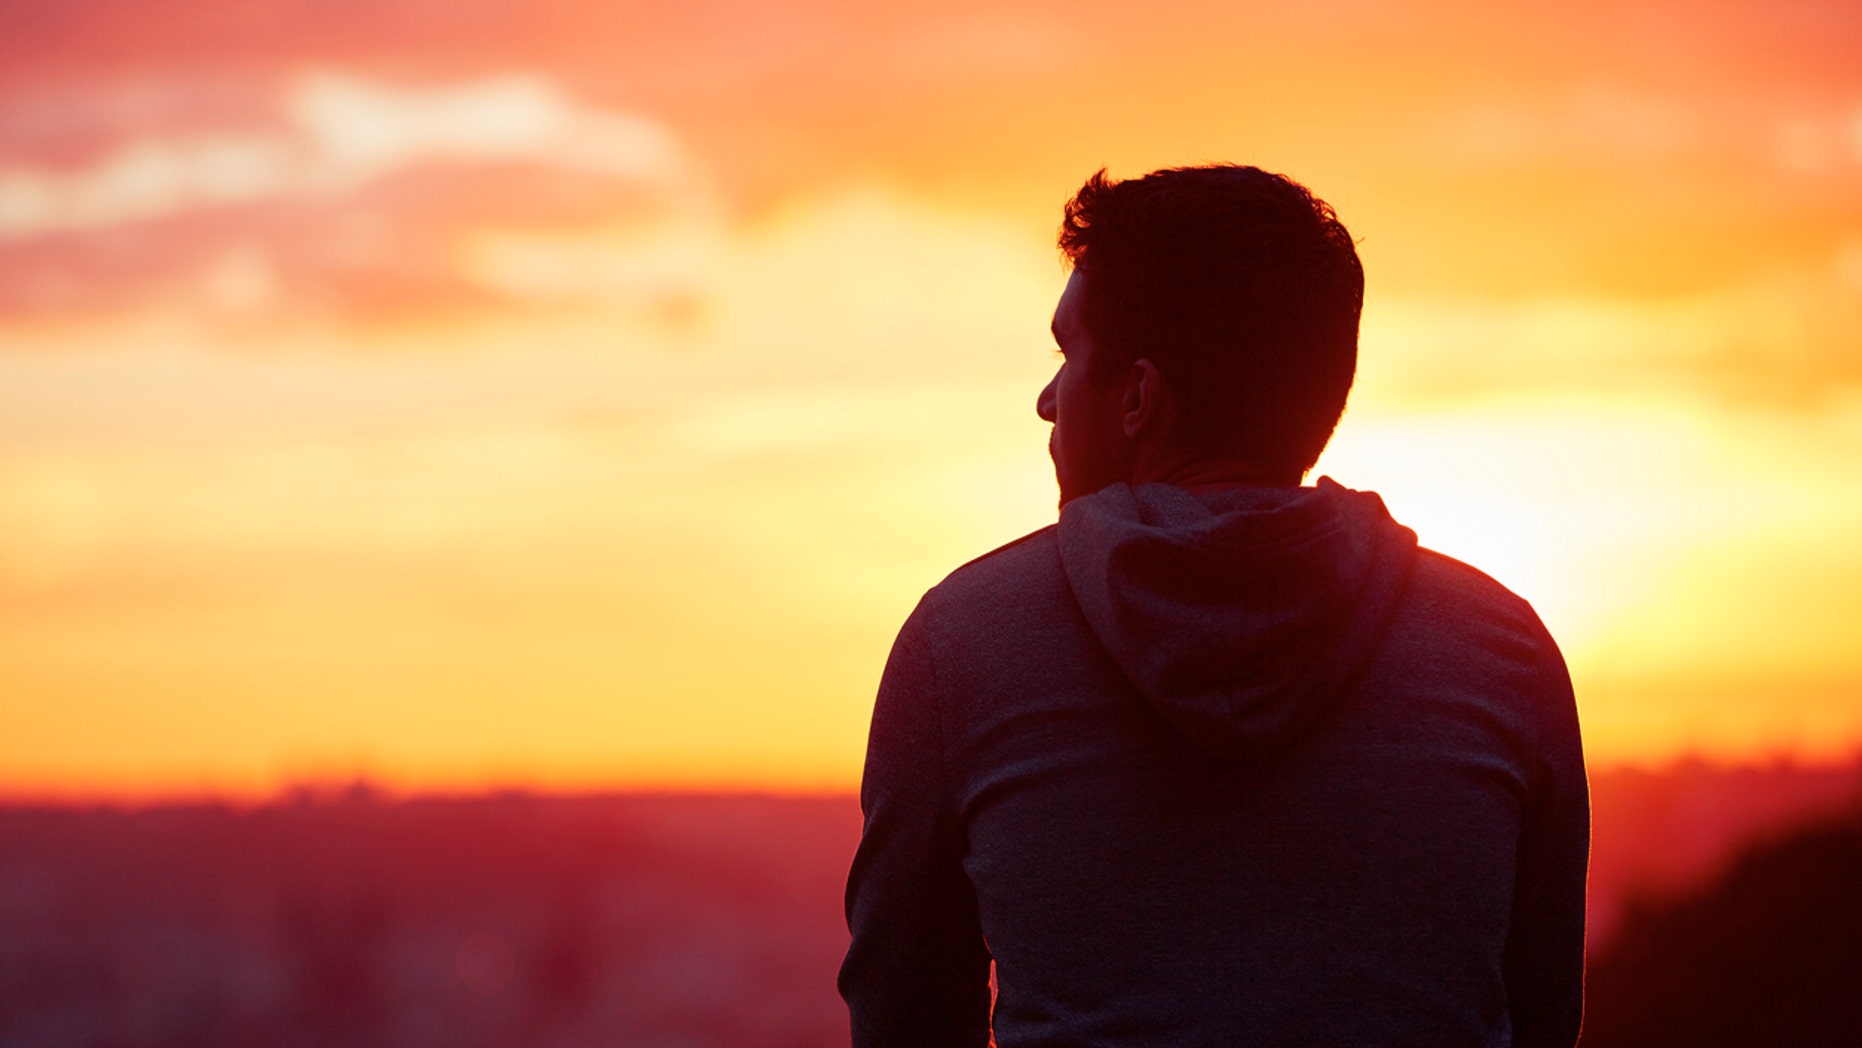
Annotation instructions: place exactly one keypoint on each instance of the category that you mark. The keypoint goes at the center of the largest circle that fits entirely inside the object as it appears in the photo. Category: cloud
(359, 130)
(1605, 125)
(143, 180)
(1819, 143)
(666, 261)
(341, 133)
(1586, 123)
(340, 197)
(850, 290)
(1783, 339)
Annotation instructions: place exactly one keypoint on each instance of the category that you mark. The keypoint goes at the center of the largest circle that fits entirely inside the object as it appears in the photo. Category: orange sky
(580, 395)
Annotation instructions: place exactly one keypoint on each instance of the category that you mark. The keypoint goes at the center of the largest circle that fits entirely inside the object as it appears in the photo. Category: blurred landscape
(351, 917)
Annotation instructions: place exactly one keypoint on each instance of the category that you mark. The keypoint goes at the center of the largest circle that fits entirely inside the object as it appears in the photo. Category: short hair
(1241, 286)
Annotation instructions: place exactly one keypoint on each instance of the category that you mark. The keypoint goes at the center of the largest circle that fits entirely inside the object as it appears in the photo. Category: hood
(1242, 614)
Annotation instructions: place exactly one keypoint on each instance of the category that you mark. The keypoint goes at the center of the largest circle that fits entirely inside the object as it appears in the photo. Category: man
(1218, 759)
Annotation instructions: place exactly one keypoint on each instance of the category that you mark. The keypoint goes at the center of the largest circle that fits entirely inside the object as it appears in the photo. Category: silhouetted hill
(1770, 954)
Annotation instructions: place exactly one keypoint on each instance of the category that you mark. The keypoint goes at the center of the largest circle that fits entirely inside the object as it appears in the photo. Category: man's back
(1220, 759)
(1243, 767)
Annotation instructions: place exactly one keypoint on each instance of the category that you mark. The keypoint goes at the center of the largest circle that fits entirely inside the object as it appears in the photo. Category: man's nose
(1044, 404)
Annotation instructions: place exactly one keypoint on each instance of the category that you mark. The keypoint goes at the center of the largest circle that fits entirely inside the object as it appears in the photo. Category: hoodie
(1227, 766)
(1243, 615)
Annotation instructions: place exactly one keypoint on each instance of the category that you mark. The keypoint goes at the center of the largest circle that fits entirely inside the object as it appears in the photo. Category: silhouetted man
(1218, 759)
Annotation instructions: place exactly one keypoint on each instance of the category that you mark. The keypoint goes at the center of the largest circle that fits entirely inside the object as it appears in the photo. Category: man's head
(1211, 318)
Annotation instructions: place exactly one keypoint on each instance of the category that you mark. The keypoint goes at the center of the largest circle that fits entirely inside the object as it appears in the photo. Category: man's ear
(1142, 401)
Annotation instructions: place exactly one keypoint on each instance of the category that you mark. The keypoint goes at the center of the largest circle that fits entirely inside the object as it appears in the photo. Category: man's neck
(1198, 474)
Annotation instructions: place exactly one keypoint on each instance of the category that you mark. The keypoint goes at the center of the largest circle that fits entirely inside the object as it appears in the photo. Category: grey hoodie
(1241, 766)
(1244, 615)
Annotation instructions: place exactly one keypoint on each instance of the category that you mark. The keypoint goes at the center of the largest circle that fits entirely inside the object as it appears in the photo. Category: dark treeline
(1769, 953)
(352, 919)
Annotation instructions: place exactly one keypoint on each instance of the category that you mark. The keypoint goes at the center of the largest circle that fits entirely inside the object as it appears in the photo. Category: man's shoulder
(1011, 566)
(1033, 551)
(1455, 599)
(1444, 578)
(1021, 573)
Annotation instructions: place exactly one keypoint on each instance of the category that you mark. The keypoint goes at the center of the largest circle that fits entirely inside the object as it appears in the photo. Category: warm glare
(584, 401)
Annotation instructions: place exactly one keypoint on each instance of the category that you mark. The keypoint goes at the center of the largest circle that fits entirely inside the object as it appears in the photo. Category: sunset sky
(576, 395)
